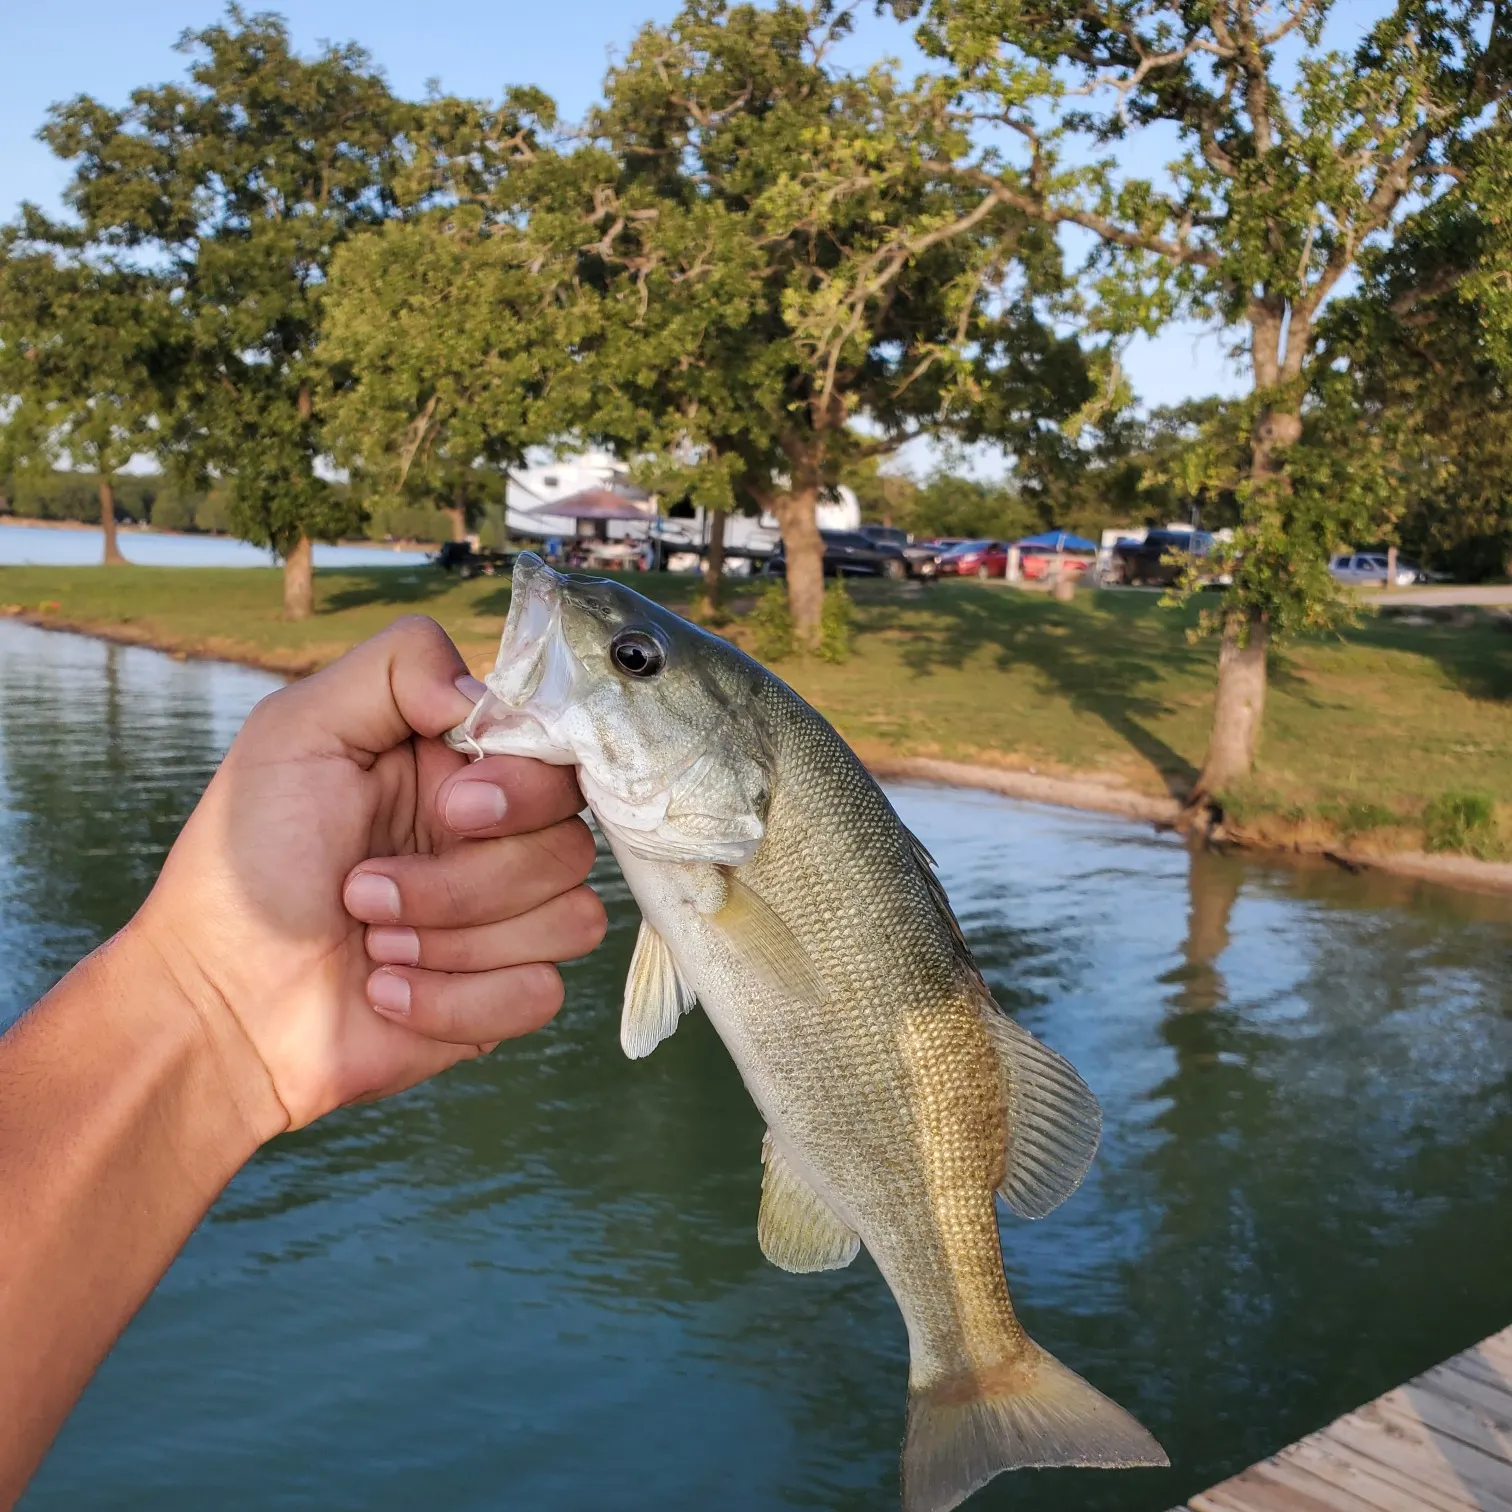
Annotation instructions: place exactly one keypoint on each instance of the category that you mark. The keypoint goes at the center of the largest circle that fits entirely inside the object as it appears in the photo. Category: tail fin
(1030, 1413)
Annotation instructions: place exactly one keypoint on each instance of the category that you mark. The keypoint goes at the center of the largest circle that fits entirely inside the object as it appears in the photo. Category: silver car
(1365, 569)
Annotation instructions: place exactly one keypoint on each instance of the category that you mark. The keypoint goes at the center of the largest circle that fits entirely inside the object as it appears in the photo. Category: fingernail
(372, 898)
(470, 687)
(389, 993)
(474, 806)
(393, 945)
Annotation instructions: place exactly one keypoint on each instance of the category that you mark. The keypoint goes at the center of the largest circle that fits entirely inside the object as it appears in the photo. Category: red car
(983, 559)
(1041, 564)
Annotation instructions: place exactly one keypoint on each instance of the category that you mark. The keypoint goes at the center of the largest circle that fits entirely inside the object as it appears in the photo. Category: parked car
(1136, 562)
(982, 559)
(922, 557)
(460, 557)
(1370, 567)
(1041, 564)
(848, 553)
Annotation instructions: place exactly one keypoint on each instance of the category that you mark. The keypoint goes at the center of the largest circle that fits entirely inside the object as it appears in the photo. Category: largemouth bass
(779, 890)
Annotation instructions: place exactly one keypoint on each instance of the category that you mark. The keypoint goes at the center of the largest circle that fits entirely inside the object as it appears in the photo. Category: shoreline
(1084, 793)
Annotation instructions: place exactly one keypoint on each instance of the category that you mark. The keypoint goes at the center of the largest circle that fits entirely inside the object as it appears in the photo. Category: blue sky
(53, 52)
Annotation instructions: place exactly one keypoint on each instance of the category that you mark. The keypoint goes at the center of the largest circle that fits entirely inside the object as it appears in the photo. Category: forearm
(123, 1114)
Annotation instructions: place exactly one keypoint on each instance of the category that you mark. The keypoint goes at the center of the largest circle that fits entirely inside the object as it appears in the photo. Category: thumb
(402, 681)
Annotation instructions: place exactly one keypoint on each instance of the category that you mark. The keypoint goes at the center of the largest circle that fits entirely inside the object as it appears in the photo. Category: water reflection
(535, 1282)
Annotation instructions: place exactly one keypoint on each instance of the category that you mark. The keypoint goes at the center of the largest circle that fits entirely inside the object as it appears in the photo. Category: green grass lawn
(1362, 731)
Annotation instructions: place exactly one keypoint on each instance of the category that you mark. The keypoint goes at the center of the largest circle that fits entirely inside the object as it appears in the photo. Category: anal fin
(1054, 1122)
(656, 996)
(796, 1228)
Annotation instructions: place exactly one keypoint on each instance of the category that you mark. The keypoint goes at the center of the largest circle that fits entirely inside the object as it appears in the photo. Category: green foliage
(1464, 822)
(1286, 168)
(836, 623)
(771, 625)
(48, 494)
(88, 348)
(733, 264)
(234, 190)
(401, 519)
(1421, 349)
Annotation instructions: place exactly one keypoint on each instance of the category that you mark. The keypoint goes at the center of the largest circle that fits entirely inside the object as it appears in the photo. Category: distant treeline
(154, 500)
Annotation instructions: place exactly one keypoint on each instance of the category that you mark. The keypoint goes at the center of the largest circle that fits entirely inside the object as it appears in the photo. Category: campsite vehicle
(468, 561)
(1041, 557)
(849, 553)
(1364, 568)
(1140, 562)
(922, 557)
(981, 559)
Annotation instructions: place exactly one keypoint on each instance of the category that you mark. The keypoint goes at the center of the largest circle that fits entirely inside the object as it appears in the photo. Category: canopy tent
(595, 504)
(1056, 540)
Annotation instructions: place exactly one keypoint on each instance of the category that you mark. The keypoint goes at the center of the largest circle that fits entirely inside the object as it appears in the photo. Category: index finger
(506, 795)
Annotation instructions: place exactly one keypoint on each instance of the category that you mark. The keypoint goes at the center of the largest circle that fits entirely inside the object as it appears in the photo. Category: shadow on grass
(362, 588)
(1110, 656)
(1477, 657)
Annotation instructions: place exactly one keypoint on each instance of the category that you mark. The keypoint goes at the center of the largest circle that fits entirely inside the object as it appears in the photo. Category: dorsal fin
(941, 901)
(1054, 1121)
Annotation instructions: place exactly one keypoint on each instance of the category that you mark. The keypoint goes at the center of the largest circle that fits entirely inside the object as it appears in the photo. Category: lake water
(535, 1283)
(33, 545)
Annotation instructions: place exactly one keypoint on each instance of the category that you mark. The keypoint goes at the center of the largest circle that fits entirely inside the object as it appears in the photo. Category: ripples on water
(535, 1282)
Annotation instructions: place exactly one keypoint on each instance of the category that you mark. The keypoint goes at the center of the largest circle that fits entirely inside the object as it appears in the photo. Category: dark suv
(1136, 562)
(850, 553)
(922, 561)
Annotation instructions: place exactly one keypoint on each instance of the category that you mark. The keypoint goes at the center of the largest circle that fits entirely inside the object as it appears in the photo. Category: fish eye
(638, 653)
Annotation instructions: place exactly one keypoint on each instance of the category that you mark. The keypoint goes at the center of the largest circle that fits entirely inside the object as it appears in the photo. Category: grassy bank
(1389, 738)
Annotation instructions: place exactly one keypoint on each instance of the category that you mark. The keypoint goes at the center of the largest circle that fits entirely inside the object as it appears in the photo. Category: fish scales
(779, 891)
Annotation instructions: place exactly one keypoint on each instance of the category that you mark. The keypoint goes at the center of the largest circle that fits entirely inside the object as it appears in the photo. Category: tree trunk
(714, 572)
(803, 549)
(299, 581)
(1238, 706)
(1239, 703)
(113, 555)
(457, 514)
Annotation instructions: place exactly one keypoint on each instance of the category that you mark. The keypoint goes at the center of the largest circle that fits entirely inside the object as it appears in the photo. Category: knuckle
(573, 843)
(590, 917)
(539, 993)
(419, 628)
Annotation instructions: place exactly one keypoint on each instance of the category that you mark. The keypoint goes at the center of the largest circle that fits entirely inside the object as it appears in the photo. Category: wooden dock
(1441, 1443)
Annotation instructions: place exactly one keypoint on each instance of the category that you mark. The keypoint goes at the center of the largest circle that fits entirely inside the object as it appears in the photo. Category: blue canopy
(1058, 540)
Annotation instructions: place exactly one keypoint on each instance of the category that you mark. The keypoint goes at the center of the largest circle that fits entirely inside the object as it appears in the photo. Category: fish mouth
(534, 679)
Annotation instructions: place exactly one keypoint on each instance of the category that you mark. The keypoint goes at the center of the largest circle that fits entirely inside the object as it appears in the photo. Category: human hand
(339, 836)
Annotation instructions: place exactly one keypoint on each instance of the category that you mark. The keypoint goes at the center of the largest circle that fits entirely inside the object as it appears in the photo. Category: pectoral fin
(753, 930)
(1054, 1122)
(796, 1227)
(656, 996)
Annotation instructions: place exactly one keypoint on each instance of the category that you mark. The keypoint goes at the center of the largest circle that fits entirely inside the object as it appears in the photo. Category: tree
(86, 358)
(450, 340)
(237, 189)
(1418, 353)
(799, 341)
(1293, 160)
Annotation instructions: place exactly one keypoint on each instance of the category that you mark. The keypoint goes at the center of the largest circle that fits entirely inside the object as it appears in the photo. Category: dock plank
(1440, 1443)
